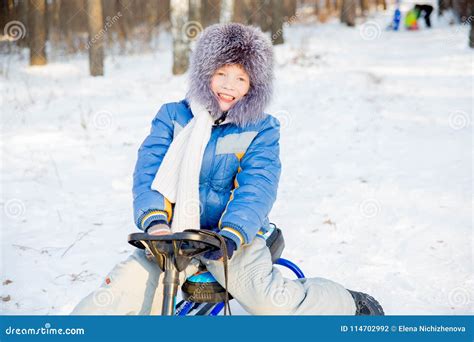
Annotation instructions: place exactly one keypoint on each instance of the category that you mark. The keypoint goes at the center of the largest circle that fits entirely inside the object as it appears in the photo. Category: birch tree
(179, 23)
(227, 11)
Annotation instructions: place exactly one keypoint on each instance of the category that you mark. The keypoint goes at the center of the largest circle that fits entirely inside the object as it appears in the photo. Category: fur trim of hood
(233, 43)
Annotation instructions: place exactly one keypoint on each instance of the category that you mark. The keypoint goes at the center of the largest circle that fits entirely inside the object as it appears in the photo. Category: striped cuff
(234, 235)
(152, 215)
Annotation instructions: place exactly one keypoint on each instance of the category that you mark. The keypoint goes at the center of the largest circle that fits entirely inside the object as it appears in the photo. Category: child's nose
(229, 85)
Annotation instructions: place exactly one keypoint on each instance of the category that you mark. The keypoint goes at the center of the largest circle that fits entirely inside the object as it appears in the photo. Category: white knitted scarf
(178, 175)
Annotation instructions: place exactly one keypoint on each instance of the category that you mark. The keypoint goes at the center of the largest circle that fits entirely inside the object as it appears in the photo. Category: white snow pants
(134, 287)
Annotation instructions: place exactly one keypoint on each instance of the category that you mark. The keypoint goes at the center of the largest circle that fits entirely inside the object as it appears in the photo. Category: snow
(376, 146)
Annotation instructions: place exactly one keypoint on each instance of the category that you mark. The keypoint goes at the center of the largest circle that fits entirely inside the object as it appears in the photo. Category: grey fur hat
(222, 44)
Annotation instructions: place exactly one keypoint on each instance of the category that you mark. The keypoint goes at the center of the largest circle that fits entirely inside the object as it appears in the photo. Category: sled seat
(202, 287)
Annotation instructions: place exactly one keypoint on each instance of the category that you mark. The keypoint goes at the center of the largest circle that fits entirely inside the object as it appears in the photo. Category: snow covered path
(376, 188)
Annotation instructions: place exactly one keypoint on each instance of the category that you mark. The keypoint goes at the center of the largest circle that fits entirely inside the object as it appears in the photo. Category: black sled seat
(202, 287)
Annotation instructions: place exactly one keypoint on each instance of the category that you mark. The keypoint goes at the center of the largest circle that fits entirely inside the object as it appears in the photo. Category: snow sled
(202, 294)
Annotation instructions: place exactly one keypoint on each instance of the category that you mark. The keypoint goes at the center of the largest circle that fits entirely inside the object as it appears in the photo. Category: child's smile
(229, 84)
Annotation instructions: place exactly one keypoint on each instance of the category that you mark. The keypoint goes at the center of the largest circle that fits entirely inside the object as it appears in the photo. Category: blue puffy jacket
(238, 181)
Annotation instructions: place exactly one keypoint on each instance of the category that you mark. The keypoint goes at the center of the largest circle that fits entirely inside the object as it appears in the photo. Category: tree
(37, 31)
(152, 17)
(244, 11)
(210, 12)
(277, 22)
(265, 16)
(96, 37)
(289, 8)
(227, 11)
(383, 3)
(444, 5)
(195, 11)
(329, 6)
(471, 19)
(348, 12)
(179, 19)
(364, 6)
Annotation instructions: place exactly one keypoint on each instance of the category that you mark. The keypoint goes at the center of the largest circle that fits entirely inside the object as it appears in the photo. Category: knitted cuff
(232, 234)
(152, 215)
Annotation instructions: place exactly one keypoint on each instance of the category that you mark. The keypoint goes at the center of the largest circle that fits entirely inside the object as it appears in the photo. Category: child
(212, 162)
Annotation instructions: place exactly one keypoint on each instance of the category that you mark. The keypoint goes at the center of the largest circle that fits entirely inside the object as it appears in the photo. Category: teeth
(226, 97)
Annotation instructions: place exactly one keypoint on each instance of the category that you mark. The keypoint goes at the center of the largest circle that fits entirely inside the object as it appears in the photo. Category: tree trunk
(152, 17)
(195, 11)
(329, 6)
(164, 9)
(54, 36)
(277, 22)
(122, 25)
(316, 7)
(227, 11)
(37, 28)
(179, 18)
(210, 12)
(324, 10)
(243, 10)
(382, 3)
(444, 5)
(265, 20)
(22, 15)
(471, 19)
(348, 12)
(289, 8)
(364, 6)
(96, 37)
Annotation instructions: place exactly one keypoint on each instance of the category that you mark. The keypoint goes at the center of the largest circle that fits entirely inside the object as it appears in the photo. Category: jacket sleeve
(150, 205)
(255, 186)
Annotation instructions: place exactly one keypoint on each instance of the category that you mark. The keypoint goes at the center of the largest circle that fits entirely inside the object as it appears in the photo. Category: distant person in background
(426, 10)
(411, 18)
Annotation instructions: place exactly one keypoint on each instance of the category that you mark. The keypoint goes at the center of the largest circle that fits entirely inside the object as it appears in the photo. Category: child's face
(229, 84)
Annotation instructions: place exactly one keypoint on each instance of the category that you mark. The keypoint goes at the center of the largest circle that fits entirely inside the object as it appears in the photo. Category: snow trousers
(134, 287)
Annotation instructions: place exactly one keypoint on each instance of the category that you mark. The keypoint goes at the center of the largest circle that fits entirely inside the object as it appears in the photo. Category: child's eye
(220, 74)
(241, 79)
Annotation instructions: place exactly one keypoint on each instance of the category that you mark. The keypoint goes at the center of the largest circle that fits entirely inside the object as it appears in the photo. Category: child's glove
(159, 227)
(217, 254)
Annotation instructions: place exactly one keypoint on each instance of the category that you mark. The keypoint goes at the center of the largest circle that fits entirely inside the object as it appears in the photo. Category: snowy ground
(376, 188)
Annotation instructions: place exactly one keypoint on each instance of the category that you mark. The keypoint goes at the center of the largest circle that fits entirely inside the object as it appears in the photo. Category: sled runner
(202, 294)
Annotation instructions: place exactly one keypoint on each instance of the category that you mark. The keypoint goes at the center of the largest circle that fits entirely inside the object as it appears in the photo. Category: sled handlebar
(190, 239)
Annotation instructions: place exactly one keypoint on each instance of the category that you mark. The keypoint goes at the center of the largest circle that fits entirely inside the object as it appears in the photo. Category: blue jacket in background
(239, 175)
